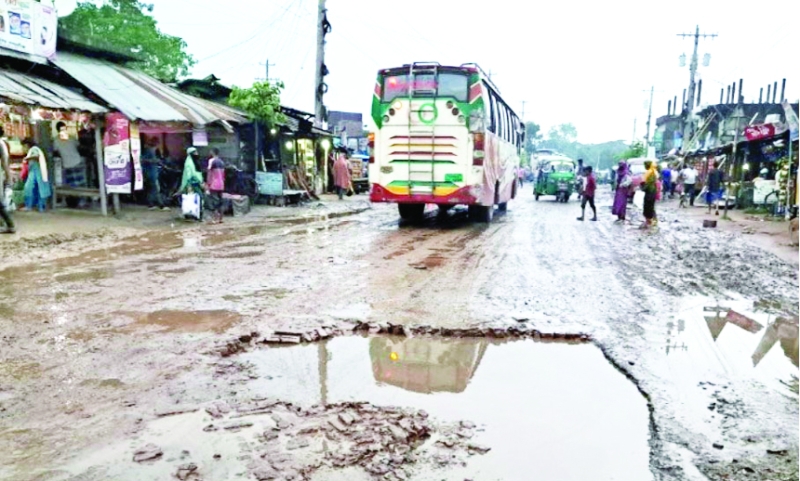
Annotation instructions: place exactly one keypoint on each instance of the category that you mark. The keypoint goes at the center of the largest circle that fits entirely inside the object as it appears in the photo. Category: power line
(259, 31)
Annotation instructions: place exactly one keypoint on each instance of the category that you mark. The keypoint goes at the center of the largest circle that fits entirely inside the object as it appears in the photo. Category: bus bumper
(464, 195)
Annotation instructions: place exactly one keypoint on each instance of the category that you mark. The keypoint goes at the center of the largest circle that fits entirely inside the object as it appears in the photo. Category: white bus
(443, 136)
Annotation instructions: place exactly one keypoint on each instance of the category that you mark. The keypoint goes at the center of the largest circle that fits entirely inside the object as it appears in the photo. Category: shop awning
(141, 97)
(31, 90)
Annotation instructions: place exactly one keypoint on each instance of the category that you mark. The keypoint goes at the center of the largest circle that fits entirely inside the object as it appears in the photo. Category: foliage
(533, 136)
(636, 149)
(126, 27)
(563, 138)
(262, 101)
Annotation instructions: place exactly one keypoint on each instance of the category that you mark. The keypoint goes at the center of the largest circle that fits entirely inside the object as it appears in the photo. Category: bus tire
(502, 207)
(411, 211)
(536, 196)
(481, 213)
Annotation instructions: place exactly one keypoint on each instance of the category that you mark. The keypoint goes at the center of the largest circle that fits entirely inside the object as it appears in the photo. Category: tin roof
(32, 90)
(140, 96)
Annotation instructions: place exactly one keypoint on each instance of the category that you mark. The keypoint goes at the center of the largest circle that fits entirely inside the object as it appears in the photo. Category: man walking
(589, 187)
(714, 187)
(5, 180)
(341, 175)
(689, 176)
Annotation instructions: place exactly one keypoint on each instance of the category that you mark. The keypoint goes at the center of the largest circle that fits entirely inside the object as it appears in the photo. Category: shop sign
(28, 26)
(117, 164)
(199, 138)
(762, 131)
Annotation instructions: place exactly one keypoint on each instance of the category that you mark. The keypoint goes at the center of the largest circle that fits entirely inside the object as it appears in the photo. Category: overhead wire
(259, 31)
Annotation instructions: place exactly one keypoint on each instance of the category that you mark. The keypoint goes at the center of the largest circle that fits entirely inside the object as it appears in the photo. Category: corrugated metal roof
(32, 90)
(140, 96)
(117, 89)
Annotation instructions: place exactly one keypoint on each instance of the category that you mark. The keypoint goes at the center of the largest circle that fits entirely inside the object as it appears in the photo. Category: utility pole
(523, 112)
(634, 131)
(689, 106)
(267, 65)
(649, 115)
(320, 87)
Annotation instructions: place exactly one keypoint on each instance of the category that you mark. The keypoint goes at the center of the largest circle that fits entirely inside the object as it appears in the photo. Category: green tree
(262, 101)
(533, 136)
(126, 27)
(635, 150)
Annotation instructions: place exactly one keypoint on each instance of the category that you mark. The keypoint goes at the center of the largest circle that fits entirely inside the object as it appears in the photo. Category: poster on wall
(117, 164)
(136, 156)
(28, 26)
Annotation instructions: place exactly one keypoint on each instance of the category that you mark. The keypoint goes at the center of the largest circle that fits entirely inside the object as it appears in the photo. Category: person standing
(589, 188)
(521, 175)
(152, 172)
(192, 180)
(714, 188)
(650, 187)
(666, 178)
(689, 176)
(216, 184)
(37, 185)
(341, 175)
(73, 165)
(5, 182)
(623, 187)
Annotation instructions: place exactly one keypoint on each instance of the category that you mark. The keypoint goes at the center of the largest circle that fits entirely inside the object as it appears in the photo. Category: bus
(443, 136)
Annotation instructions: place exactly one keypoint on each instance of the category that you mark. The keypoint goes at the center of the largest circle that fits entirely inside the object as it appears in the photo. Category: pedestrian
(521, 175)
(666, 178)
(714, 189)
(650, 188)
(589, 188)
(216, 184)
(622, 191)
(689, 176)
(341, 175)
(37, 184)
(5, 183)
(73, 166)
(192, 181)
(151, 164)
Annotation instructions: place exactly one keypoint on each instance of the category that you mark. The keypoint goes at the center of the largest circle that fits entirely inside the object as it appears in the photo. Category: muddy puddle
(398, 408)
(185, 321)
(732, 338)
(561, 408)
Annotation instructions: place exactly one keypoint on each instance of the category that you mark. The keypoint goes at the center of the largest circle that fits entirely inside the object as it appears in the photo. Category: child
(590, 185)
(216, 183)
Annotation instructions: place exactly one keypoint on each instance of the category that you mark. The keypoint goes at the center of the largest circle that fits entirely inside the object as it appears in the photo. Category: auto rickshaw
(556, 176)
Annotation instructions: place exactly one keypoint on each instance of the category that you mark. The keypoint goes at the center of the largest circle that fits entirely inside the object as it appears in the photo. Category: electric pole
(523, 113)
(267, 65)
(689, 106)
(634, 131)
(649, 115)
(323, 28)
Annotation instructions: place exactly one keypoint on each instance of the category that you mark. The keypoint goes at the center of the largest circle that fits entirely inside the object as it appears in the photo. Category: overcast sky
(586, 62)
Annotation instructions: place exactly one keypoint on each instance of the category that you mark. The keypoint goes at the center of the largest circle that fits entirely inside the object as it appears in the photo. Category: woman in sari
(37, 185)
(192, 181)
(650, 187)
(620, 206)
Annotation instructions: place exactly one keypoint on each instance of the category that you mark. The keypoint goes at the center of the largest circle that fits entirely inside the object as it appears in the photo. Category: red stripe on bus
(474, 91)
(434, 154)
(443, 137)
(377, 89)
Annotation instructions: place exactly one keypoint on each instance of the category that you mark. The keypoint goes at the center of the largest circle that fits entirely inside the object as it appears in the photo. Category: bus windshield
(448, 84)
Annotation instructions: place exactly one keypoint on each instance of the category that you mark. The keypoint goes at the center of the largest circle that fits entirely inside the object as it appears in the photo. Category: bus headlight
(397, 105)
(461, 119)
(385, 118)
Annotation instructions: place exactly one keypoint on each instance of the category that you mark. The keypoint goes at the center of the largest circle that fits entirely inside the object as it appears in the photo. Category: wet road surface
(97, 346)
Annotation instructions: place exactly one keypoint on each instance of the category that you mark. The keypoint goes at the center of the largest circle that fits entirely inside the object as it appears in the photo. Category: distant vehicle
(556, 177)
(444, 136)
(358, 168)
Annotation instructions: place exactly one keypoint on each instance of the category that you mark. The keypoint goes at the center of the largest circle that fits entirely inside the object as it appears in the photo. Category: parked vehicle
(358, 169)
(556, 177)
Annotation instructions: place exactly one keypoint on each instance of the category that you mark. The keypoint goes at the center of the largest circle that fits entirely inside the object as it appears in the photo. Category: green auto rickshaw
(555, 176)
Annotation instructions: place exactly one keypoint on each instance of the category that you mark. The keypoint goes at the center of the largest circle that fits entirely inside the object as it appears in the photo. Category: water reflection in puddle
(732, 338)
(561, 408)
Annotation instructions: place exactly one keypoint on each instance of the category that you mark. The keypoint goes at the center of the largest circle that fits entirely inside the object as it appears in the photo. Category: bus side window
(492, 109)
(501, 110)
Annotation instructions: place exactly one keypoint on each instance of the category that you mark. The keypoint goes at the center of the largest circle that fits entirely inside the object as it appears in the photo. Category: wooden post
(101, 174)
(115, 199)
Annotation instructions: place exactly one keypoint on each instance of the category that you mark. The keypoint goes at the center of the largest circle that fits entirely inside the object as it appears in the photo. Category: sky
(586, 62)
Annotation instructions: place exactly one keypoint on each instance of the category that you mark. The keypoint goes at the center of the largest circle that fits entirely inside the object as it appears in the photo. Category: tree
(262, 101)
(635, 150)
(126, 27)
(533, 136)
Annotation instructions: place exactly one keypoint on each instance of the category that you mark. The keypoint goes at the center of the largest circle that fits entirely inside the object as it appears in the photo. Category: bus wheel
(502, 207)
(481, 213)
(411, 211)
(536, 196)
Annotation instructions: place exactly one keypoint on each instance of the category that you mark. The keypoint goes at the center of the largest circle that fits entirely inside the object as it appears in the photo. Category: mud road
(355, 346)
